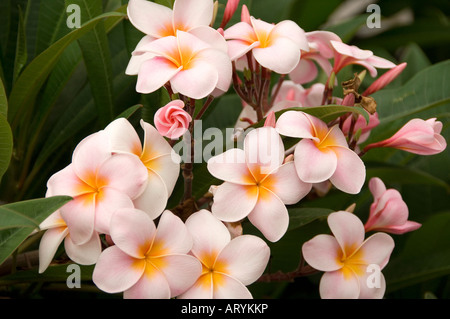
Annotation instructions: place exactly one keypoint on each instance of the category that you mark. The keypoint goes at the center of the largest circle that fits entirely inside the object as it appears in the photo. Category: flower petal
(49, 244)
(189, 14)
(245, 257)
(151, 285)
(116, 271)
(337, 285)
(295, 124)
(270, 215)
(201, 289)
(372, 291)
(377, 249)
(377, 187)
(149, 17)
(291, 30)
(282, 56)
(154, 73)
(348, 231)
(167, 167)
(132, 231)
(230, 288)
(123, 137)
(233, 202)
(79, 215)
(350, 172)
(230, 166)
(66, 182)
(85, 254)
(322, 253)
(172, 236)
(154, 198)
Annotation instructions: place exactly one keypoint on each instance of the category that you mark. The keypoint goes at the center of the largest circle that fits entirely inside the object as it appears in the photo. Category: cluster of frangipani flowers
(118, 219)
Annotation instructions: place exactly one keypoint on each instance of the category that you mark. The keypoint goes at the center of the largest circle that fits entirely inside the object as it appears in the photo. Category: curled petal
(49, 244)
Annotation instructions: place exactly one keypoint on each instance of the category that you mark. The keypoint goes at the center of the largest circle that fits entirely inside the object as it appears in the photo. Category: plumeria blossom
(228, 265)
(362, 125)
(388, 213)
(193, 67)
(147, 262)
(275, 47)
(161, 162)
(320, 52)
(345, 54)
(345, 257)
(172, 120)
(418, 136)
(56, 231)
(322, 153)
(257, 184)
(99, 183)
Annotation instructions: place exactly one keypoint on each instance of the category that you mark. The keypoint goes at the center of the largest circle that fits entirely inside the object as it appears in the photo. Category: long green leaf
(3, 100)
(6, 145)
(21, 48)
(97, 58)
(35, 210)
(34, 75)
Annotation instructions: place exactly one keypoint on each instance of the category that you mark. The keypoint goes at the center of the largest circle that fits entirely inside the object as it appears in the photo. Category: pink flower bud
(230, 9)
(388, 213)
(270, 119)
(385, 79)
(417, 136)
(172, 120)
(245, 15)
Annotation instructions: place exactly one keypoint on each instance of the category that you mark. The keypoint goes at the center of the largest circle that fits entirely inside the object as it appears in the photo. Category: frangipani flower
(388, 213)
(345, 257)
(99, 183)
(193, 67)
(320, 52)
(257, 183)
(275, 47)
(417, 136)
(161, 162)
(345, 54)
(172, 120)
(322, 153)
(56, 232)
(229, 265)
(147, 262)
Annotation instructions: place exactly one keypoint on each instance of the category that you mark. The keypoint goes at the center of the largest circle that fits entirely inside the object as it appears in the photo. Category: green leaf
(34, 75)
(130, 111)
(33, 211)
(6, 145)
(426, 254)
(3, 100)
(97, 58)
(21, 48)
(299, 217)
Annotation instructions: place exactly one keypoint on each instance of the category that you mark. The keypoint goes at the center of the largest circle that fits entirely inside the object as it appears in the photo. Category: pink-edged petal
(49, 244)
(264, 150)
(321, 40)
(116, 271)
(380, 63)
(192, 13)
(322, 253)
(377, 187)
(107, 203)
(291, 30)
(154, 73)
(230, 288)
(125, 173)
(377, 249)
(348, 231)
(314, 165)
(90, 154)
(196, 82)
(400, 229)
(230, 166)
(181, 272)
(123, 137)
(85, 254)
(336, 285)
(286, 184)
(282, 56)
(304, 72)
(369, 288)
(79, 215)
(270, 215)
(132, 231)
(351, 50)
(350, 172)
(153, 199)
(295, 124)
(390, 209)
(149, 17)
(246, 258)
(151, 285)
(172, 236)
(240, 31)
(209, 234)
(66, 182)
(243, 201)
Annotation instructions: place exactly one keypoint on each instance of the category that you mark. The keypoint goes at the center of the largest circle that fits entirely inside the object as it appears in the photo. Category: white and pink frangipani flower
(193, 67)
(147, 262)
(388, 213)
(320, 52)
(275, 47)
(322, 153)
(257, 184)
(345, 257)
(229, 265)
(172, 120)
(99, 183)
(418, 136)
(345, 54)
(157, 156)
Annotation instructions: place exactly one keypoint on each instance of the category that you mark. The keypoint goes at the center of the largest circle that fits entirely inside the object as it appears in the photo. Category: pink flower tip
(245, 15)
(230, 9)
(172, 120)
(270, 119)
(385, 79)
